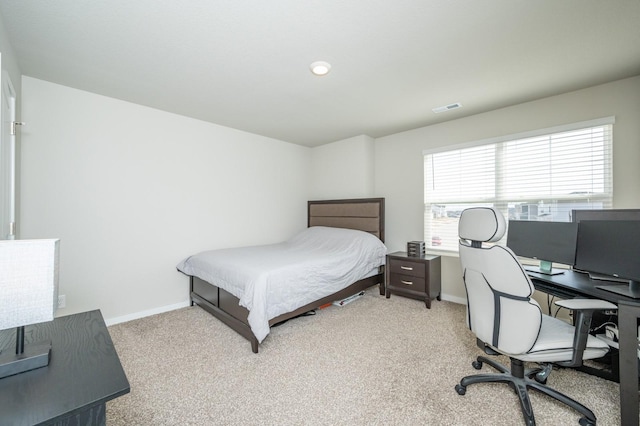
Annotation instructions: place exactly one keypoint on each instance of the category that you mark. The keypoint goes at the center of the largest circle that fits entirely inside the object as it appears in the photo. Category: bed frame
(366, 214)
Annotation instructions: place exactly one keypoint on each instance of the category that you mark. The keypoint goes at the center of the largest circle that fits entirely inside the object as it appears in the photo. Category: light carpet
(375, 361)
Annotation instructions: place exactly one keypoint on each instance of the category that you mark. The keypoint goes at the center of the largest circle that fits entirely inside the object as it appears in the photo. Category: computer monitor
(547, 242)
(605, 214)
(611, 248)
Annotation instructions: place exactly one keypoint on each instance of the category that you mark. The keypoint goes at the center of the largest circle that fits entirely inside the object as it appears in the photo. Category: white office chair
(507, 321)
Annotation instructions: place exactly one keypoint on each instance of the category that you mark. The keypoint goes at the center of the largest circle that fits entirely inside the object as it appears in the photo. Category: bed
(234, 291)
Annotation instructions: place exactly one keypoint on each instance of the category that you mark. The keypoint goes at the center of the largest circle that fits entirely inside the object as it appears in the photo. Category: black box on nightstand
(416, 249)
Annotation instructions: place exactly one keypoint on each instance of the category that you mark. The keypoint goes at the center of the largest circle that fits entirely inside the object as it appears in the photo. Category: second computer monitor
(611, 248)
(548, 242)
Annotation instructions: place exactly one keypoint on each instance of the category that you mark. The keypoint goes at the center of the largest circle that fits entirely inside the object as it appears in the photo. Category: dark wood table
(571, 284)
(417, 277)
(83, 374)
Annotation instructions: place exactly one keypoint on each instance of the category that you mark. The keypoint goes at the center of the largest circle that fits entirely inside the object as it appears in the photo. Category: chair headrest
(485, 224)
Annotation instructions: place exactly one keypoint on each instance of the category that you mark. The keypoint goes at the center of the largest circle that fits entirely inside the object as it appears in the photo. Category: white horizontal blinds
(461, 175)
(539, 177)
(567, 165)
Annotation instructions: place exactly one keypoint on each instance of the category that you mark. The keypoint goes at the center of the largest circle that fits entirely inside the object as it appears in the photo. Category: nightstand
(416, 277)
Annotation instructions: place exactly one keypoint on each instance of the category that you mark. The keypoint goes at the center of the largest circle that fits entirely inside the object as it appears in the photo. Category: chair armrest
(582, 304)
(584, 309)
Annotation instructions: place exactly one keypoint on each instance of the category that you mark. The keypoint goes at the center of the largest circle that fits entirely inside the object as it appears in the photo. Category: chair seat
(555, 343)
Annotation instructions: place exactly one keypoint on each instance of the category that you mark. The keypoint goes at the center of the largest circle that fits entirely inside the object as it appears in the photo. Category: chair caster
(542, 375)
(541, 380)
(586, 422)
(461, 389)
(477, 365)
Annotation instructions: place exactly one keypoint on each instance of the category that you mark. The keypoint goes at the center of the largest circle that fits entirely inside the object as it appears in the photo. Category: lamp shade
(28, 281)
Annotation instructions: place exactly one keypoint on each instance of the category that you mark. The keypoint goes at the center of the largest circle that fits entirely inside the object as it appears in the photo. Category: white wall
(343, 169)
(399, 158)
(9, 62)
(131, 191)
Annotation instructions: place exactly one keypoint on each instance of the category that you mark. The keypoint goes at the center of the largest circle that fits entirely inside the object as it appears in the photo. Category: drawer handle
(406, 282)
(407, 268)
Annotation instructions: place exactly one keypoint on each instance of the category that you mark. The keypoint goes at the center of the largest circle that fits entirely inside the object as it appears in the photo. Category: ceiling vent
(447, 107)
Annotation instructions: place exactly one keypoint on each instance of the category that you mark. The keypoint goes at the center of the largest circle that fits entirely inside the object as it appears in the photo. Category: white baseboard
(147, 313)
(454, 299)
(167, 308)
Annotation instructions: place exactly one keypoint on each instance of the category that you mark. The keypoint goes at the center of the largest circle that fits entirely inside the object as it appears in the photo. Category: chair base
(521, 380)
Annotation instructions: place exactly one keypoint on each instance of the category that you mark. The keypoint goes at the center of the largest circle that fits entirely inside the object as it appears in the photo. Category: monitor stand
(544, 268)
(631, 289)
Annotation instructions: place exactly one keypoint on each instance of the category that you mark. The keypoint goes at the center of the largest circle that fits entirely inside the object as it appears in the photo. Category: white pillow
(339, 240)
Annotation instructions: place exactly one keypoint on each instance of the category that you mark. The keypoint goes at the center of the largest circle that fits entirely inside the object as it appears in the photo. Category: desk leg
(628, 315)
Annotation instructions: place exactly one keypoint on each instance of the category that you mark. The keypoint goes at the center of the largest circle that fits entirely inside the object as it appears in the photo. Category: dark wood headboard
(364, 214)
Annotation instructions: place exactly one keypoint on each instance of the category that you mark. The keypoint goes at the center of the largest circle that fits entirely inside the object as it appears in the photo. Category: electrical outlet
(62, 301)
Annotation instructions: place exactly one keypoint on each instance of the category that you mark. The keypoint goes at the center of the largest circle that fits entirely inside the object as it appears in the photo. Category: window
(541, 175)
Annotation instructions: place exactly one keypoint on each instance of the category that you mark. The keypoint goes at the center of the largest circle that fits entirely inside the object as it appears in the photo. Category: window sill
(437, 252)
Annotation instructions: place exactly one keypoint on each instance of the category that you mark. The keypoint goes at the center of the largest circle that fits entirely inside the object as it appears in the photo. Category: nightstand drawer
(406, 267)
(407, 282)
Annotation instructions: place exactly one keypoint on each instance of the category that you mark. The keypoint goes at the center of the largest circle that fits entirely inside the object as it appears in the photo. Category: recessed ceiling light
(320, 68)
(447, 107)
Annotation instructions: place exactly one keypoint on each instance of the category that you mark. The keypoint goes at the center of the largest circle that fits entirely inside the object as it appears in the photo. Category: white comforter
(274, 279)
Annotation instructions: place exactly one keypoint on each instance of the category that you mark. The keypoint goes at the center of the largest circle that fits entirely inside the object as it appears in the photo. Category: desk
(571, 284)
(83, 374)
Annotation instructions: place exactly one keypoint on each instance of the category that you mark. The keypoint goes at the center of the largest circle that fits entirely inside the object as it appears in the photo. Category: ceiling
(245, 64)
